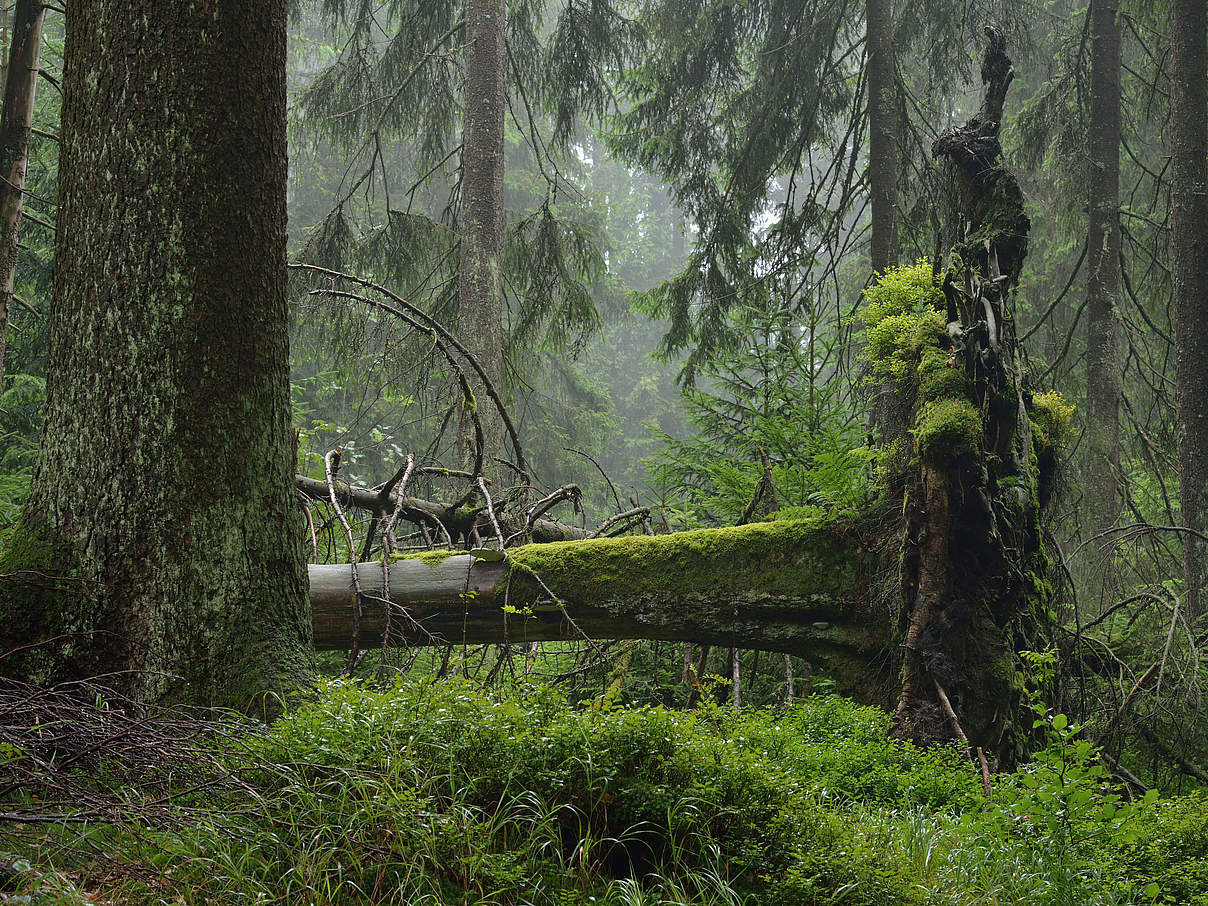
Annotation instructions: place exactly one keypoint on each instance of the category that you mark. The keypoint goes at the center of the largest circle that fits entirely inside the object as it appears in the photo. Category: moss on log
(797, 587)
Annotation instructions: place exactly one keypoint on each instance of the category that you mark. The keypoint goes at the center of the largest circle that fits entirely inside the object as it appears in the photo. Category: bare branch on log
(426, 512)
(331, 463)
(412, 314)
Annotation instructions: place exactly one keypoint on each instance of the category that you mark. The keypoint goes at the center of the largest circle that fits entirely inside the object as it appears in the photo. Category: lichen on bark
(162, 506)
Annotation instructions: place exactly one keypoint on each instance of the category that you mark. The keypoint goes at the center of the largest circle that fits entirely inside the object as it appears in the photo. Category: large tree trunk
(803, 588)
(972, 569)
(164, 491)
(1189, 278)
(480, 274)
(1100, 492)
(882, 134)
(16, 119)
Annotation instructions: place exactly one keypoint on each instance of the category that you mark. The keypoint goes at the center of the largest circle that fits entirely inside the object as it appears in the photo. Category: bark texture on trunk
(1189, 278)
(16, 119)
(972, 568)
(480, 272)
(803, 588)
(1100, 496)
(164, 487)
(882, 133)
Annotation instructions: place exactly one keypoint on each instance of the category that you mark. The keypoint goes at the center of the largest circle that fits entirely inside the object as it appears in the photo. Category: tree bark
(163, 496)
(1101, 493)
(882, 133)
(1189, 278)
(972, 574)
(16, 119)
(800, 588)
(480, 273)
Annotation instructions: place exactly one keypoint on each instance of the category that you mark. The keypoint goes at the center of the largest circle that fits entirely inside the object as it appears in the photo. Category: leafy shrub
(1166, 858)
(441, 793)
(645, 795)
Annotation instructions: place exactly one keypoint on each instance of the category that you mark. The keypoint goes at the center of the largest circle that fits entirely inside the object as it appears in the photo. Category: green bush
(502, 794)
(1167, 860)
(441, 793)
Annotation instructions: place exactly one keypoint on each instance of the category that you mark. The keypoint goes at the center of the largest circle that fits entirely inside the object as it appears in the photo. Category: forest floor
(442, 793)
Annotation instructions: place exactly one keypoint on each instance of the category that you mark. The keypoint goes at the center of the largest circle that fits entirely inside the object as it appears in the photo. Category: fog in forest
(720, 435)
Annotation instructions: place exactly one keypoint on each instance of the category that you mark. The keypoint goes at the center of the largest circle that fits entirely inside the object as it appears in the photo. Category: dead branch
(426, 512)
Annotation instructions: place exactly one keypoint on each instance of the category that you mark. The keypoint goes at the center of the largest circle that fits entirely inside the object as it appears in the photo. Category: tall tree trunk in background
(480, 277)
(882, 134)
(3, 43)
(1100, 497)
(16, 118)
(887, 418)
(1189, 277)
(163, 498)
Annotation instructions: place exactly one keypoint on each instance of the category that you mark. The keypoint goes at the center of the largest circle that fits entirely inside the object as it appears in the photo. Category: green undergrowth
(441, 793)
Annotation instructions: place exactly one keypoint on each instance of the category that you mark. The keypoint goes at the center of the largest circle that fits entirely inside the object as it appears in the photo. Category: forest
(546, 452)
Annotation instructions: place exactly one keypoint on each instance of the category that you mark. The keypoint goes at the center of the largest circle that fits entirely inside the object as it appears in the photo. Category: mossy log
(796, 587)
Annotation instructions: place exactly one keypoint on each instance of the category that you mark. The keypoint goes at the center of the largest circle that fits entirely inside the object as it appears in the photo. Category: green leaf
(1079, 797)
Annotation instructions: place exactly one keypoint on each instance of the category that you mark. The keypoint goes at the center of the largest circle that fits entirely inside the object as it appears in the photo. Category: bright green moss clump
(941, 375)
(946, 428)
(908, 341)
(902, 318)
(1051, 418)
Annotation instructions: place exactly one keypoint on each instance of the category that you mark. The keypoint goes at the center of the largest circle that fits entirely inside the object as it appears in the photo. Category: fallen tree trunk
(798, 587)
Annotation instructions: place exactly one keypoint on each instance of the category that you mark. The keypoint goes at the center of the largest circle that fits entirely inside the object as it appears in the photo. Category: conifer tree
(1189, 278)
(160, 544)
(1100, 498)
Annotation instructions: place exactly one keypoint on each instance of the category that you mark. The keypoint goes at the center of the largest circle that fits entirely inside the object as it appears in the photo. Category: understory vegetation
(928, 441)
(443, 793)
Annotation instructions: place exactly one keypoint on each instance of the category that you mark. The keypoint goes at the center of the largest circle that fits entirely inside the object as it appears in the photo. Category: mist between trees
(711, 356)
